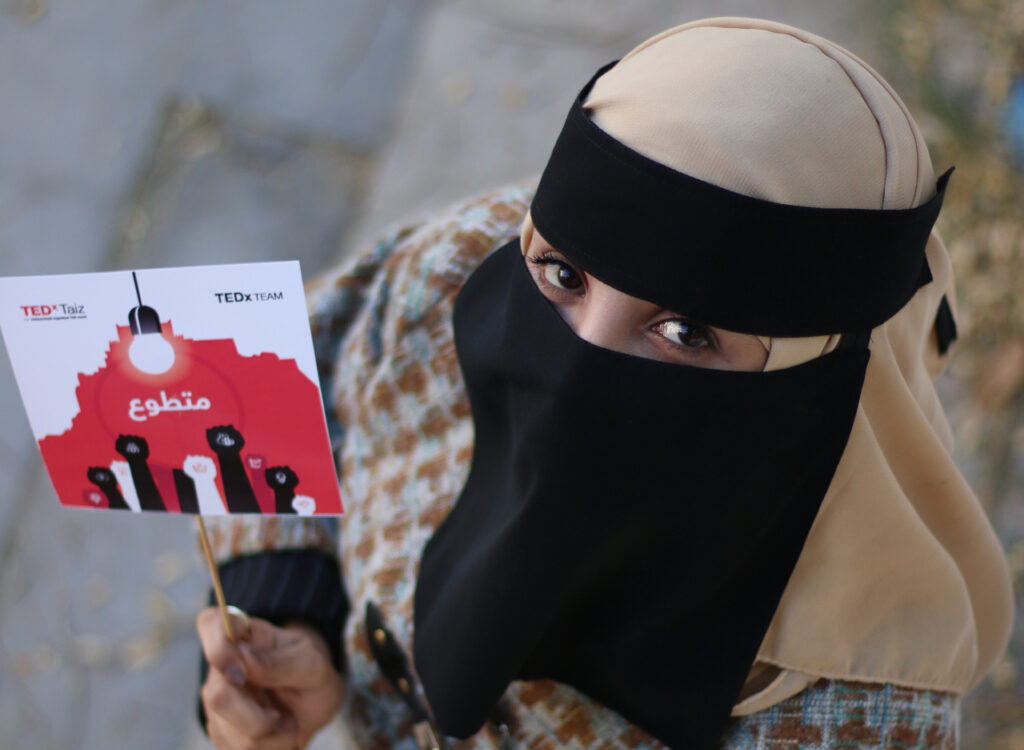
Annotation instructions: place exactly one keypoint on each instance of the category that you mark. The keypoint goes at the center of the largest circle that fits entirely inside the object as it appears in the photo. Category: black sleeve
(285, 585)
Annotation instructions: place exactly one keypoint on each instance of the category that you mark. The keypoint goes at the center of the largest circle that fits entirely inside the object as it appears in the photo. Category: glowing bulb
(149, 350)
(151, 353)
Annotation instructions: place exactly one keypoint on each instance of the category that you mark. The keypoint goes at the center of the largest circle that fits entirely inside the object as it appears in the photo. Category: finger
(240, 621)
(237, 612)
(238, 707)
(298, 662)
(267, 636)
(221, 653)
(225, 736)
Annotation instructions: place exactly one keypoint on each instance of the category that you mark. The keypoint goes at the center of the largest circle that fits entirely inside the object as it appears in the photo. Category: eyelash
(549, 259)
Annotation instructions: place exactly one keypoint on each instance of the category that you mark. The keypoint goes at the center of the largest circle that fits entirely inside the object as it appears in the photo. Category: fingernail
(246, 650)
(235, 674)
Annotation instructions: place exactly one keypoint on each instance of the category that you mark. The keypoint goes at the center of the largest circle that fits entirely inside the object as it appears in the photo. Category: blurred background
(139, 133)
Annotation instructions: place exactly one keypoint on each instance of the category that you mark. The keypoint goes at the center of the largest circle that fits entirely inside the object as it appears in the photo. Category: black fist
(281, 477)
(102, 478)
(225, 439)
(132, 447)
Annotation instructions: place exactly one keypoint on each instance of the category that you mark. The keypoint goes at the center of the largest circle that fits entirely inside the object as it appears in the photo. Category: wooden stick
(216, 580)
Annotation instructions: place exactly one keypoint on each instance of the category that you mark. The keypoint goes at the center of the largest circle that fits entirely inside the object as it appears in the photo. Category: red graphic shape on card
(274, 409)
(256, 465)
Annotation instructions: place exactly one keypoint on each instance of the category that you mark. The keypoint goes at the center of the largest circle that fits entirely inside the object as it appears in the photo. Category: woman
(710, 474)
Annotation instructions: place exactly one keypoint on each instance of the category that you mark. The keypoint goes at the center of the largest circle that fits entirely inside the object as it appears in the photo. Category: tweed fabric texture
(401, 428)
(854, 715)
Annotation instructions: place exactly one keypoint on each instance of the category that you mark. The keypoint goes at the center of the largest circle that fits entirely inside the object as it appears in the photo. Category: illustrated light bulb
(149, 351)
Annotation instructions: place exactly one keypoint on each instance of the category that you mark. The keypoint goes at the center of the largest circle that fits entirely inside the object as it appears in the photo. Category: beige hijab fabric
(902, 578)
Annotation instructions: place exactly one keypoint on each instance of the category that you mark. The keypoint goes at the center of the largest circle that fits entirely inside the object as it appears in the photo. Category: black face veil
(628, 526)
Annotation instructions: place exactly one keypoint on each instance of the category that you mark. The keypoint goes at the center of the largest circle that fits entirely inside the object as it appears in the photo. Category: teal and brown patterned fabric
(856, 715)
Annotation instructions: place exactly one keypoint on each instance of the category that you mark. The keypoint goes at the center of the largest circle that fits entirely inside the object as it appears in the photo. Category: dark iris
(568, 278)
(557, 272)
(691, 335)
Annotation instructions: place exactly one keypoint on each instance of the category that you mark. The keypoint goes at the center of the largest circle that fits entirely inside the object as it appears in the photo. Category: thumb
(295, 659)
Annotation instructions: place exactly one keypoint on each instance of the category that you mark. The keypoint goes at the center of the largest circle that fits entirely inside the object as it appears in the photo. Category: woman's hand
(275, 689)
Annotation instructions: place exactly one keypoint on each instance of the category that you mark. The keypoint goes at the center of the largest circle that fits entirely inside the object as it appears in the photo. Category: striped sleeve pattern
(285, 585)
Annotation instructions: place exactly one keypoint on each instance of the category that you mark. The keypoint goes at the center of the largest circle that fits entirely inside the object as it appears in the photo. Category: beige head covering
(901, 579)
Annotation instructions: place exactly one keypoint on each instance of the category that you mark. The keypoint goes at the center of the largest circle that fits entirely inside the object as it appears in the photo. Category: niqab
(899, 579)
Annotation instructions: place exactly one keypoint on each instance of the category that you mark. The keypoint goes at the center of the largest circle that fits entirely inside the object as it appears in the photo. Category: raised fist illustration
(281, 477)
(203, 471)
(188, 501)
(226, 442)
(255, 465)
(282, 481)
(304, 505)
(225, 438)
(104, 479)
(123, 473)
(136, 451)
(132, 447)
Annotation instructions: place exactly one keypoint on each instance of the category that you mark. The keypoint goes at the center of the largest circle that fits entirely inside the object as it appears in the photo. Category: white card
(175, 389)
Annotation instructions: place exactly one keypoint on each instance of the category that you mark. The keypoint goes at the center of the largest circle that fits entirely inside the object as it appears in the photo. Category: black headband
(726, 259)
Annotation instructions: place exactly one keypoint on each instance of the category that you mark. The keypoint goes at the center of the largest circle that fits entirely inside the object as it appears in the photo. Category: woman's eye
(558, 273)
(684, 332)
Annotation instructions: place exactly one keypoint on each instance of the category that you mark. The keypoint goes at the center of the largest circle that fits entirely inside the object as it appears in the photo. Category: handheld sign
(177, 390)
(181, 390)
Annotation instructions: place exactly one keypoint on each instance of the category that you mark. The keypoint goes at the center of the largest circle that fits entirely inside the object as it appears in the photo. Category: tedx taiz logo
(56, 311)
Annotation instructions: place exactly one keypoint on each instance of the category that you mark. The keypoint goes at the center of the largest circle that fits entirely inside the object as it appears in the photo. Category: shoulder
(390, 306)
(416, 264)
(434, 260)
